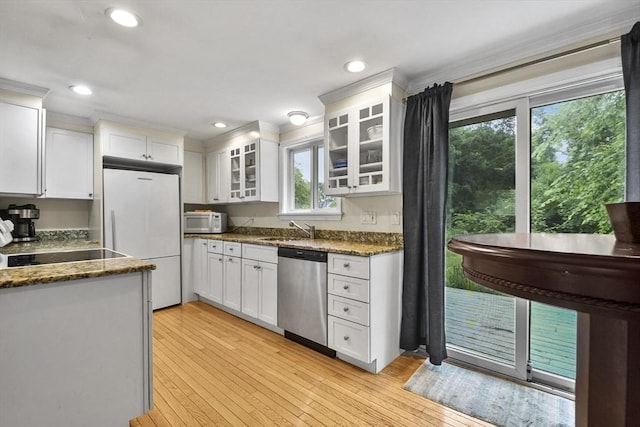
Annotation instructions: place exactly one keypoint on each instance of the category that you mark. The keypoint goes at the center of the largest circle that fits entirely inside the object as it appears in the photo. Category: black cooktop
(22, 260)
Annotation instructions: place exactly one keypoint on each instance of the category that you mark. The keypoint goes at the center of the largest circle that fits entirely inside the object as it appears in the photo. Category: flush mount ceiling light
(80, 89)
(355, 66)
(220, 125)
(123, 17)
(298, 117)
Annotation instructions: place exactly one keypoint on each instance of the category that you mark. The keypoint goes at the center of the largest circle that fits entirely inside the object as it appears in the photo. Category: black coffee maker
(22, 217)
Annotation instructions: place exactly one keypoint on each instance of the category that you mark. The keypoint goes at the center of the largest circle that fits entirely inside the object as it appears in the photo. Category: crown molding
(389, 76)
(68, 118)
(255, 126)
(103, 115)
(23, 88)
(609, 26)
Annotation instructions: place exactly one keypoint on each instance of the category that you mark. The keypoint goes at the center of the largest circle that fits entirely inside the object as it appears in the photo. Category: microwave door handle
(113, 230)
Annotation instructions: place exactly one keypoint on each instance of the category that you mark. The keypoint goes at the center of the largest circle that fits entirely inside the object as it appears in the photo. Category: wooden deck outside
(485, 323)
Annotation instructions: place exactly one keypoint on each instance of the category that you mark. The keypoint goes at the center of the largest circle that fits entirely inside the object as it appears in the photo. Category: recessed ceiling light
(123, 17)
(81, 89)
(220, 125)
(298, 117)
(355, 66)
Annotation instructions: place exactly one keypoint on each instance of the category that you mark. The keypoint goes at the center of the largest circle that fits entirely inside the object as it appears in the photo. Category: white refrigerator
(142, 219)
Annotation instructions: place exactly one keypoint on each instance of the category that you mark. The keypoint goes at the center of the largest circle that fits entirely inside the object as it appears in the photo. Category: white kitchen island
(75, 352)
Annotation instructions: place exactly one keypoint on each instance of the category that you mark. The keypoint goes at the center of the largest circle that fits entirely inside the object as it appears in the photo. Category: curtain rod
(537, 61)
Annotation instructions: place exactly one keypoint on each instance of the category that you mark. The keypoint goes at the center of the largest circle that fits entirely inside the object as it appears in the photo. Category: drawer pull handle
(345, 309)
(346, 338)
(345, 287)
(345, 265)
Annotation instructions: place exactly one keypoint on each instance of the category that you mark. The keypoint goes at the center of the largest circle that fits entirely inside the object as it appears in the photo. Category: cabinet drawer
(214, 246)
(260, 253)
(232, 249)
(349, 338)
(349, 265)
(349, 309)
(349, 287)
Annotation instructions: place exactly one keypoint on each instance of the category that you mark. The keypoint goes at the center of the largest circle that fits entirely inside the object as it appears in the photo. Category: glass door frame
(522, 204)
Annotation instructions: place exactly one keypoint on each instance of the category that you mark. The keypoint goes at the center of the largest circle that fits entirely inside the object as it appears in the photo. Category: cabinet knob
(220, 259)
(345, 309)
(345, 287)
(144, 155)
(149, 157)
(230, 249)
(346, 338)
(205, 244)
(346, 265)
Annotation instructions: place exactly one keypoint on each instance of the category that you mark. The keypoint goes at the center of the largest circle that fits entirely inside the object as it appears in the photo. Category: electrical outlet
(368, 217)
(395, 218)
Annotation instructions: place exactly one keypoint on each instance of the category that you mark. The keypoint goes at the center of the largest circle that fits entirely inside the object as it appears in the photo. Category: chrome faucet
(311, 232)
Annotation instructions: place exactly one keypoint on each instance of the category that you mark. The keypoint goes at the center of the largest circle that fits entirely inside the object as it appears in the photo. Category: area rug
(492, 399)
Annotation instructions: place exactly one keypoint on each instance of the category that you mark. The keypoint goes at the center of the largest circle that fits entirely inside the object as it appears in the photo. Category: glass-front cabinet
(363, 148)
(249, 181)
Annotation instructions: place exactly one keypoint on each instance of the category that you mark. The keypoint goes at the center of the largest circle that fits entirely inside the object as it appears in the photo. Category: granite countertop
(324, 245)
(49, 273)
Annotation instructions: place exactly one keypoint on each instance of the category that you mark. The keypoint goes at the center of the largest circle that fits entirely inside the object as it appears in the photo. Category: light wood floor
(211, 368)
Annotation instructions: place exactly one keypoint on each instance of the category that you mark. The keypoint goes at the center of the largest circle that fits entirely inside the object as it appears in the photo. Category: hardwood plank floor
(214, 369)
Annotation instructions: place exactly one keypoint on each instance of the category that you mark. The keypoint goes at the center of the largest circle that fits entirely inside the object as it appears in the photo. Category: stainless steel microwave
(205, 222)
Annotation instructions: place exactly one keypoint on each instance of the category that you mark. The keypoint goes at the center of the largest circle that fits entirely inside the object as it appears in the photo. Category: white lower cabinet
(364, 308)
(232, 283)
(260, 282)
(215, 271)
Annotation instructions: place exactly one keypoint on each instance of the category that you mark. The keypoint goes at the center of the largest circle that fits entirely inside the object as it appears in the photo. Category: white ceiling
(194, 62)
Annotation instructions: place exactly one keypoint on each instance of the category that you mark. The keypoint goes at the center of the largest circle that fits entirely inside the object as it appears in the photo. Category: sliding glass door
(577, 166)
(481, 324)
(543, 164)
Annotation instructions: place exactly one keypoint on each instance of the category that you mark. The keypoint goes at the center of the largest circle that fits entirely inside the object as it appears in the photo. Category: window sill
(311, 216)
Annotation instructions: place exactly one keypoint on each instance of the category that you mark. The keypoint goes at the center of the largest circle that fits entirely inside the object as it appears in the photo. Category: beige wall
(55, 214)
(266, 214)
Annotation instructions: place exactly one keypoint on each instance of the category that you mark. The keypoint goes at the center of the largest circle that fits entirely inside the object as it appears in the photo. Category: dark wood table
(591, 273)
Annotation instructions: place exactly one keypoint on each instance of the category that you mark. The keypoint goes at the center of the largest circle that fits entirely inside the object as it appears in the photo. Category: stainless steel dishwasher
(302, 297)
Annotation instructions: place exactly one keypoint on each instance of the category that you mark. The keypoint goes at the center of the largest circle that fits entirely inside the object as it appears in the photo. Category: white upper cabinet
(193, 178)
(217, 177)
(363, 148)
(363, 136)
(253, 172)
(20, 149)
(68, 164)
(140, 146)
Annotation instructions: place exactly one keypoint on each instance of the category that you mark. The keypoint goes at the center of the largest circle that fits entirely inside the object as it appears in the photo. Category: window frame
(287, 185)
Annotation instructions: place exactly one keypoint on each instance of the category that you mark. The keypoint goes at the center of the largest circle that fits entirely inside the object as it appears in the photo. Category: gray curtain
(426, 154)
(630, 52)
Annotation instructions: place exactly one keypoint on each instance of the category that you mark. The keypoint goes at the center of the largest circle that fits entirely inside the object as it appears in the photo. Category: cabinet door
(19, 150)
(250, 171)
(370, 154)
(217, 177)
(232, 295)
(69, 164)
(215, 277)
(200, 267)
(124, 145)
(337, 151)
(235, 173)
(250, 287)
(193, 177)
(164, 151)
(268, 298)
